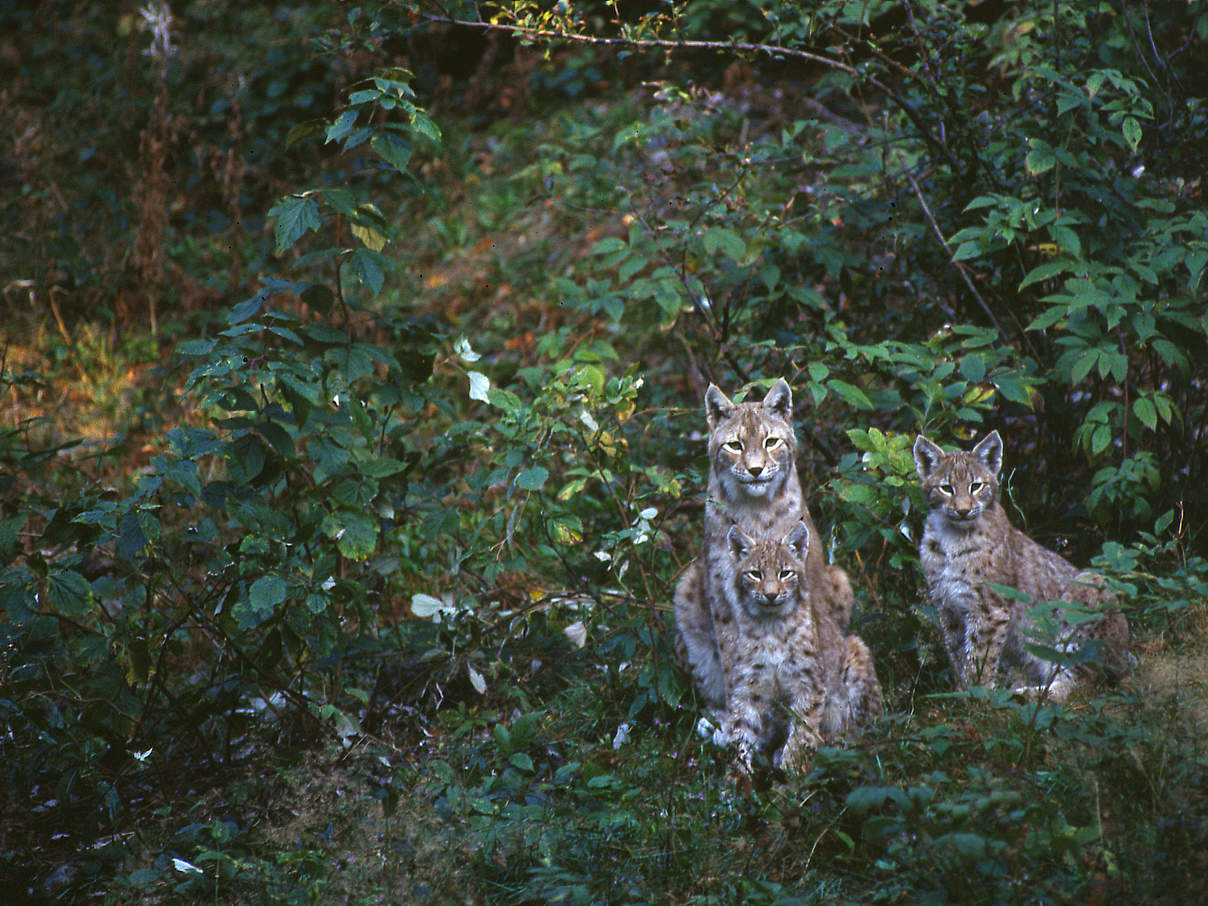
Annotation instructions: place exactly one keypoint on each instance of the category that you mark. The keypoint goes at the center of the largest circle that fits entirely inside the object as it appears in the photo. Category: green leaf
(609, 245)
(1046, 271)
(355, 534)
(973, 367)
(532, 478)
(265, 594)
(366, 267)
(296, 214)
(1145, 411)
(70, 593)
(1040, 158)
(1195, 261)
(200, 347)
(1084, 364)
(1131, 130)
(1067, 240)
(341, 127)
(423, 124)
(850, 393)
(970, 248)
(727, 241)
(1014, 389)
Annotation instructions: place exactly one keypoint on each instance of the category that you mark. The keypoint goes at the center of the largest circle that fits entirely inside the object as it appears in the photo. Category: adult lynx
(968, 546)
(791, 679)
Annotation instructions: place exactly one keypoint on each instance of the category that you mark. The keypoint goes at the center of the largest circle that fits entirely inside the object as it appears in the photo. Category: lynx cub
(753, 484)
(789, 675)
(968, 543)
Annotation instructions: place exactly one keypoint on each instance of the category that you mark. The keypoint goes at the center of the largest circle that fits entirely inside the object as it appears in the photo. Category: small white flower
(462, 349)
(588, 421)
(476, 679)
(621, 737)
(479, 385)
(648, 513)
(577, 633)
(602, 556)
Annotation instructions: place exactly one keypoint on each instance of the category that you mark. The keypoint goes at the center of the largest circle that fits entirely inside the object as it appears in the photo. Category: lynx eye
(772, 443)
(946, 488)
(785, 575)
(975, 486)
(754, 575)
(734, 446)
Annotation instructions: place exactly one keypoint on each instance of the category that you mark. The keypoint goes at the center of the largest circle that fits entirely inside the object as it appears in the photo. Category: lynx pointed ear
(927, 456)
(740, 542)
(780, 400)
(717, 405)
(798, 540)
(989, 451)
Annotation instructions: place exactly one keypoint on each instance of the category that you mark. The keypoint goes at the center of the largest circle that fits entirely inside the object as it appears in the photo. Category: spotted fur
(792, 680)
(753, 485)
(968, 544)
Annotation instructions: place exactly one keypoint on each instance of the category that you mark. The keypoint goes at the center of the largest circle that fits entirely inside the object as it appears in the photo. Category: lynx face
(960, 485)
(769, 575)
(751, 444)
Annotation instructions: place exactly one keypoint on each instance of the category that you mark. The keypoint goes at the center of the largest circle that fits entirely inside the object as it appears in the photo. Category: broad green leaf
(609, 245)
(1040, 158)
(850, 393)
(392, 149)
(1145, 411)
(727, 241)
(1084, 364)
(1046, 271)
(532, 478)
(973, 367)
(1196, 261)
(265, 594)
(295, 215)
(69, 591)
(970, 248)
(423, 124)
(1014, 389)
(367, 269)
(341, 127)
(1131, 131)
(355, 533)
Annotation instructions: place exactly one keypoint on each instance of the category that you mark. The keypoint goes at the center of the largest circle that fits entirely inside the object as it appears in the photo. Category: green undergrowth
(969, 800)
(356, 586)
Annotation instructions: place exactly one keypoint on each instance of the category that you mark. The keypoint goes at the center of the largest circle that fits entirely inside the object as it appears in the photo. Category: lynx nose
(755, 470)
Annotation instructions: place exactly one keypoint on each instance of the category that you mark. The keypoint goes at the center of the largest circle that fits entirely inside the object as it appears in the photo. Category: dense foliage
(361, 588)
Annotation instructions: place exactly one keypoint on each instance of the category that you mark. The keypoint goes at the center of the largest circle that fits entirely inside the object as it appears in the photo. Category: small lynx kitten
(969, 544)
(791, 679)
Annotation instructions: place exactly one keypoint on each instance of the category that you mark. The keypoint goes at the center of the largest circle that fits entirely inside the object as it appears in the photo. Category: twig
(951, 255)
(531, 33)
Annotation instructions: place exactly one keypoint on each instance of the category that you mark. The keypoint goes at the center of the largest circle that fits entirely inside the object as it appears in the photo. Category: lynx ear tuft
(989, 451)
(780, 400)
(927, 456)
(717, 405)
(740, 542)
